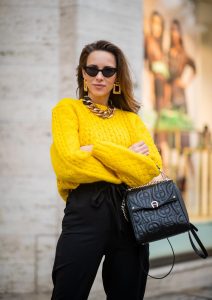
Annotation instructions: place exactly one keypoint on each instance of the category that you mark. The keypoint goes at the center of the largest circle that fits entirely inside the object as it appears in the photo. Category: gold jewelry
(105, 114)
(117, 88)
(85, 85)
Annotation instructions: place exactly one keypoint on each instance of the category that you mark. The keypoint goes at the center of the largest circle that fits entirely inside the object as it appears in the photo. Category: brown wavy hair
(125, 100)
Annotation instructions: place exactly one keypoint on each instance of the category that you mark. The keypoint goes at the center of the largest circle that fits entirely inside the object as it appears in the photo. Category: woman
(100, 145)
(158, 75)
(178, 61)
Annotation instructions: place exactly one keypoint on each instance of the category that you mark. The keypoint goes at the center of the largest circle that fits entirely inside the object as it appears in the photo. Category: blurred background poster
(174, 84)
(170, 42)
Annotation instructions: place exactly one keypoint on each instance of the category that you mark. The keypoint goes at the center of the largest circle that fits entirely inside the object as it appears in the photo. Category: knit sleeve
(69, 162)
(132, 168)
(143, 134)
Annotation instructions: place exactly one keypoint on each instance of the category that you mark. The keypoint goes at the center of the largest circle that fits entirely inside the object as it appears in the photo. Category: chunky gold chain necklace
(105, 114)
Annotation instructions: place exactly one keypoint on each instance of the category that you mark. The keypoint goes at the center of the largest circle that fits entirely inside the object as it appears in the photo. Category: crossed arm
(103, 161)
(139, 147)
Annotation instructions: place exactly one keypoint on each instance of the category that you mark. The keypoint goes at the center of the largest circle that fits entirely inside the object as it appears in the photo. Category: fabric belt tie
(113, 194)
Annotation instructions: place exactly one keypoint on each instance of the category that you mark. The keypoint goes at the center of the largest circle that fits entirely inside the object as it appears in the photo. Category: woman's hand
(87, 148)
(140, 147)
(179, 83)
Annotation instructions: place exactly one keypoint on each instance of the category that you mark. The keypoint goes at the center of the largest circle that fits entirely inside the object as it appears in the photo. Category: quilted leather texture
(157, 211)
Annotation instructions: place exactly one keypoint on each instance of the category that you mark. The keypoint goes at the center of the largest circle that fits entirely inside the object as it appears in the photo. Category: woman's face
(156, 26)
(99, 86)
(175, 34)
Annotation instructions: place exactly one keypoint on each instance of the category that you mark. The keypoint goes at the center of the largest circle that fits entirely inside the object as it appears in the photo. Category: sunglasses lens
(91, 71)
(108, 72)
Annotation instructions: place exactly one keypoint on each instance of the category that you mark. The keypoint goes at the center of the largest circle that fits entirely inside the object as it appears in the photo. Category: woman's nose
(99, 76)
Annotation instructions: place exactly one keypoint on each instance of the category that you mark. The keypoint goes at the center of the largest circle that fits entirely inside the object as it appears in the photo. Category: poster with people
(175, 96)
(169, 71)
(169, 74)
(167, 67)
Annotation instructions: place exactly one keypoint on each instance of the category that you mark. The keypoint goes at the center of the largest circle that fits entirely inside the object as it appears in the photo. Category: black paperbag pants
(93, 227)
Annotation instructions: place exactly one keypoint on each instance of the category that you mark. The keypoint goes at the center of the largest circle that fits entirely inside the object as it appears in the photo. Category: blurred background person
(178, 61)
(156, 59)
(179, 79)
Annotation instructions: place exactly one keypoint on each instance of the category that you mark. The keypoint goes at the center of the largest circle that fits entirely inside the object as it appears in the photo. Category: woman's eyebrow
(91, 65)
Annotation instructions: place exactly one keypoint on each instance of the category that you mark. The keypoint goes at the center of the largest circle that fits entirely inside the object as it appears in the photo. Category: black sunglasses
(106, 71)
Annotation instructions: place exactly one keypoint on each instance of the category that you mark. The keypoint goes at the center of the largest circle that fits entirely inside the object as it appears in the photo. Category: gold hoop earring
(116, 88)
(85, 87)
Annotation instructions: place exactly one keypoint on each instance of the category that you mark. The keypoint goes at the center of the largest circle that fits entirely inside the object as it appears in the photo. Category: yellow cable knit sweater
(74, 125)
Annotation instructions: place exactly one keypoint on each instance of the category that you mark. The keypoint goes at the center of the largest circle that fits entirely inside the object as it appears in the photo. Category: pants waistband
(105, 191)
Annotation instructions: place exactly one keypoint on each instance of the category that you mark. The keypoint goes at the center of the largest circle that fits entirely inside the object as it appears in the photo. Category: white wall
(28, 89)
(40, 45)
